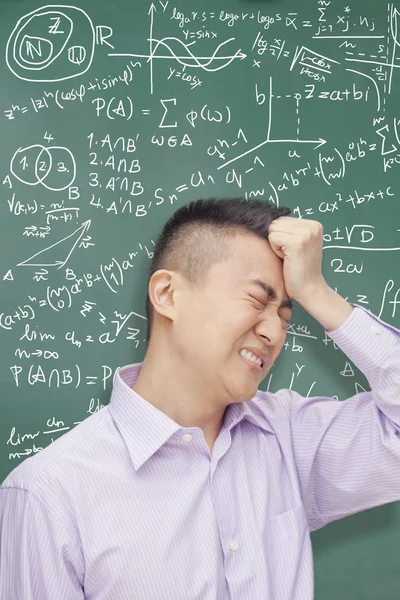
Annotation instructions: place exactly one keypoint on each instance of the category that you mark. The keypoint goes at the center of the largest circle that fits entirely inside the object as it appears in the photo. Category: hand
(299, 243)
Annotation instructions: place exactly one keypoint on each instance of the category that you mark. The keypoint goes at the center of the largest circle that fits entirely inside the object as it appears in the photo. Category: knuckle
(319, 227)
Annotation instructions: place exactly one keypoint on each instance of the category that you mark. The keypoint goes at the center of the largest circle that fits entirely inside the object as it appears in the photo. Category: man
(192, 483)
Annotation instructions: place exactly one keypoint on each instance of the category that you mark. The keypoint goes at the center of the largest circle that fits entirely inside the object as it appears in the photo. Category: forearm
(327, 307)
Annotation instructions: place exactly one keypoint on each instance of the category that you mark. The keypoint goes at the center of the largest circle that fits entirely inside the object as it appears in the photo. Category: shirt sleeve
(38, 558)
(347, 452)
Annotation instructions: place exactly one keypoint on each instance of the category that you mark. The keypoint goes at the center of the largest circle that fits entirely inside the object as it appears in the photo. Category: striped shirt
(131, 506)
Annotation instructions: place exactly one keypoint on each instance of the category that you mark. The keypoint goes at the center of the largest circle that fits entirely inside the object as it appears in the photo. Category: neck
(170, 386)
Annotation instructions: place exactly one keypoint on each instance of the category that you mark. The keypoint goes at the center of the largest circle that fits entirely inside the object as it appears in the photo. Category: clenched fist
(299, 243)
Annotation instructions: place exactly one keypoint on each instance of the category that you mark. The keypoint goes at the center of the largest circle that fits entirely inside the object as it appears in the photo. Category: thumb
(273, 239)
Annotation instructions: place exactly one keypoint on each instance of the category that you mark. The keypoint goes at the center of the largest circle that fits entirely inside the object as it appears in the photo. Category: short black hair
(194, 237)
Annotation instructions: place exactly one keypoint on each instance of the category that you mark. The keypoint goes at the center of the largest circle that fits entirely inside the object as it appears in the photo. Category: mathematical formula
(110, 128)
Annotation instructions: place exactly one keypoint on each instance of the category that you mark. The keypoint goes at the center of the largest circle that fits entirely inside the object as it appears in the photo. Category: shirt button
(187, 437)
(234, 545)
(375, 329)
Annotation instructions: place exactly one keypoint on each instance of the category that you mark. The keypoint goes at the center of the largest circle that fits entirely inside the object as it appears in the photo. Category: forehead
(254, 256)
(253, 263)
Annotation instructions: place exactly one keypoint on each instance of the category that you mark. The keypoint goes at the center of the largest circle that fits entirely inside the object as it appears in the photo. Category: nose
(271, 329)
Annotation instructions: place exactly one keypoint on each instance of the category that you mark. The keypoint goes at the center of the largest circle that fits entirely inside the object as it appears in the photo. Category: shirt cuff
(365, 338)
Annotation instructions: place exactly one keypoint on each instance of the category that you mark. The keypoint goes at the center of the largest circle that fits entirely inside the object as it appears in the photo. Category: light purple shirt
(130, 506)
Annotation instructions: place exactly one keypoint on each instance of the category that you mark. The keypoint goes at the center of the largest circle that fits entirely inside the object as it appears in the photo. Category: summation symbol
(212, 63)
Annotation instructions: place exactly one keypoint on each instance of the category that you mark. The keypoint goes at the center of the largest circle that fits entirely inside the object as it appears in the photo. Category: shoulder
(273, 408)
(61, 458)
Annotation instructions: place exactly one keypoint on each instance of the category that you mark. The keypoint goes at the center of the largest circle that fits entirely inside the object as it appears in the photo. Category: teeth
(252, 357)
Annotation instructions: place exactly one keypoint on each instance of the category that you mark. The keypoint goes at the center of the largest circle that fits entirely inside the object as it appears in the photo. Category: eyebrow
(270, 291)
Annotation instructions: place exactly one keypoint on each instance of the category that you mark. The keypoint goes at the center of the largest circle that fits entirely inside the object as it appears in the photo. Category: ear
(162, 293)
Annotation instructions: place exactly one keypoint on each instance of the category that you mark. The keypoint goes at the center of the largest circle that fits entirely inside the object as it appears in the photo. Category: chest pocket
(288, 555)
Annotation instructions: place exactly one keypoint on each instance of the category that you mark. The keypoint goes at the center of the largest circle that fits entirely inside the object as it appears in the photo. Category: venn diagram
(53, 167)
(51, 43)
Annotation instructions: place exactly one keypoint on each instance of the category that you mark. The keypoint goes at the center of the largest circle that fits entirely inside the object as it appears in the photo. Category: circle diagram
(53, 167)
(51, 43)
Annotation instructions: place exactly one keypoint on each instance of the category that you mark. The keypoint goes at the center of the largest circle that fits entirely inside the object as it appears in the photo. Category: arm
(38, 558)
(348, 453)
(326, 306)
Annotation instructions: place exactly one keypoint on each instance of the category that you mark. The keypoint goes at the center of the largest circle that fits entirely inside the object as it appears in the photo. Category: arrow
(186, 59)
(319, 142)
(151, 12)
(44, 257)
(241, 55)
(394, 32)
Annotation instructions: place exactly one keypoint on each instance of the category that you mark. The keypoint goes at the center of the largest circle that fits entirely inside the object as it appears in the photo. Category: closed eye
(263, 304)
(259, 301)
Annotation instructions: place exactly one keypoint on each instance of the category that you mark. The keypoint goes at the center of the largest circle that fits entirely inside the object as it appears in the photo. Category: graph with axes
(174, 49)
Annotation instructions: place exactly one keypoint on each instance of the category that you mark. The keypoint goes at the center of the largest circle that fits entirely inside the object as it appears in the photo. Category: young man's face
(229, 313)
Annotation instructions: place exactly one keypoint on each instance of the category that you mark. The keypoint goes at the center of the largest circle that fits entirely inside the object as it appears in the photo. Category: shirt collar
(144, 428)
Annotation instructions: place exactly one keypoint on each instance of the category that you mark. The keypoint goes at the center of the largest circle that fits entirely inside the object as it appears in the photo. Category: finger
(293, 220)
(280, 242)
(285, 223)
(274, 242)
(286, 218)
(313, 229)
(288, 228)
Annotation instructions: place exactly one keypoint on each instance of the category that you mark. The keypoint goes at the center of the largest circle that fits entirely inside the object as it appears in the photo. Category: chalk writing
(108, 129)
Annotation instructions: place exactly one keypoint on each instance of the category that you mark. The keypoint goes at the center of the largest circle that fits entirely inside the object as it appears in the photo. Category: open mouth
(252, 364)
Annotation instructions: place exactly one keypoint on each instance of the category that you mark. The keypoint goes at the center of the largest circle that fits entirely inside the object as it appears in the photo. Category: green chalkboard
(113, 114)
